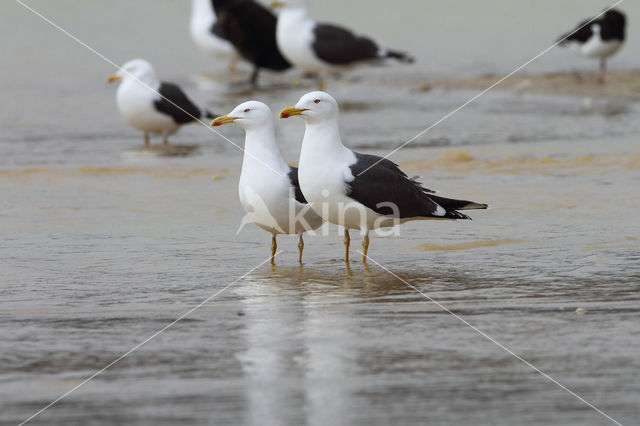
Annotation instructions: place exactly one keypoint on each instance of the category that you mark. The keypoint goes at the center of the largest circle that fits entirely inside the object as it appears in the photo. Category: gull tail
(400, 56)
(452, 214)
(210, 115)
(453, 204)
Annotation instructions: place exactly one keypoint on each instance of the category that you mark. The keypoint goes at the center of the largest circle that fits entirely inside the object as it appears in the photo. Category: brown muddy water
(103, 246)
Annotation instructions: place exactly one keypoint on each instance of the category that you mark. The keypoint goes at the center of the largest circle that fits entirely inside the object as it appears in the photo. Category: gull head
(136, 69)
(314, 107)
(248, 115)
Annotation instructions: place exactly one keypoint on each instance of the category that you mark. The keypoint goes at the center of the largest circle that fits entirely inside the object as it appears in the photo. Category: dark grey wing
(613, 24)
(218, 31)
(176, 104)
(580, 34)
(251, 29)
(385, 189)
(293, 178)
(340, 46)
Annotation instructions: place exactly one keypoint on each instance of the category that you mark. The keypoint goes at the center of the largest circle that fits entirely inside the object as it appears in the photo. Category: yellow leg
(300, 248)
(274, 247)
(365, 248)
(146, 139)
(347, 241)
(165, 140)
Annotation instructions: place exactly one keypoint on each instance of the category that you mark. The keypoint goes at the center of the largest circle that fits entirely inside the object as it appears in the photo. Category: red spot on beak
(217, 124)
(285, 116)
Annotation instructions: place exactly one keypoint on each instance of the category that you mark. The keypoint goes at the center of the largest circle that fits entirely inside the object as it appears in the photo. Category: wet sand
(105, 243)
(620, 84)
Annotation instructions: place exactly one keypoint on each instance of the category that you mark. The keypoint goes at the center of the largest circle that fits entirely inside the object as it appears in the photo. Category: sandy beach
(105, 242)
(620, 84)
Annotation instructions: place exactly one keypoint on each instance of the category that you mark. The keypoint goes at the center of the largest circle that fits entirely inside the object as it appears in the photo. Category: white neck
(202, 14)
(261, 153)
(146, 79)
(323, 141)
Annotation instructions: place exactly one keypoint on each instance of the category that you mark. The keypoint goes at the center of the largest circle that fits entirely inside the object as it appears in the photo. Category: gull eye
(317, 101)
(247, 110)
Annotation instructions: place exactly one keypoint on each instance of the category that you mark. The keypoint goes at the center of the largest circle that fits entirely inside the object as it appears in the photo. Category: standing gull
(151, 105)
(359, 191)
(320, 48)
(202, 29)
(600, 38)
(251, 28)
(269, 189)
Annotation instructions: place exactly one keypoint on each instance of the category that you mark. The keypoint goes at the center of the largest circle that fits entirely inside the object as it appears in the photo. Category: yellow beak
(223, 119)
(275, 4)
(291, 111)
(113, 77)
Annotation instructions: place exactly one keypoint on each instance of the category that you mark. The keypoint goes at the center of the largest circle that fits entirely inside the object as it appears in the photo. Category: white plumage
(203, 18)
(268, 185)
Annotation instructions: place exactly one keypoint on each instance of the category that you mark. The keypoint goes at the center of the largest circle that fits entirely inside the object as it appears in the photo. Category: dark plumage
(598, 38)
(339, 46)
(612, 27)
(378, 181)
(176, 104)
(251, 28)
(293, 177)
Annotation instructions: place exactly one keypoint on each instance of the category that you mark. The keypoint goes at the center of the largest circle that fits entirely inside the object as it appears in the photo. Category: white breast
(595, 47)
(271, 204)
(294, 35)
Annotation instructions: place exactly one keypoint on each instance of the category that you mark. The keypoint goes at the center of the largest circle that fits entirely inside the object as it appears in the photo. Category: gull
(359, 191)
(322, 48)
(269, 190)
(151, 105)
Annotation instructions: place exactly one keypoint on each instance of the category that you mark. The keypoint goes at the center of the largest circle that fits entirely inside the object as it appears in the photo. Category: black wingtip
(400, 56)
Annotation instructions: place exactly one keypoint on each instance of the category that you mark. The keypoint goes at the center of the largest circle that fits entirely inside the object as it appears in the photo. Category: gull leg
(254, 76)
(165, 139)
(365, 247)
(300, 248)
(146, 140)
(603, 70)
(274, 247)
(347, 241)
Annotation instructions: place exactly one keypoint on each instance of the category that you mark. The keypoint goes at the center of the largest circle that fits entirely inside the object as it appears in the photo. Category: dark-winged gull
(322, 48)
(359, 191)
(251, 28)
(202, 29)
(151, 105)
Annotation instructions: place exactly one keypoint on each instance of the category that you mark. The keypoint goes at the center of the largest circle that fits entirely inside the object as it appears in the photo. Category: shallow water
(102, 247)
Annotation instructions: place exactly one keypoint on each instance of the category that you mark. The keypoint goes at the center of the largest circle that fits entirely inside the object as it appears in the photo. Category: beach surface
(104, 243)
